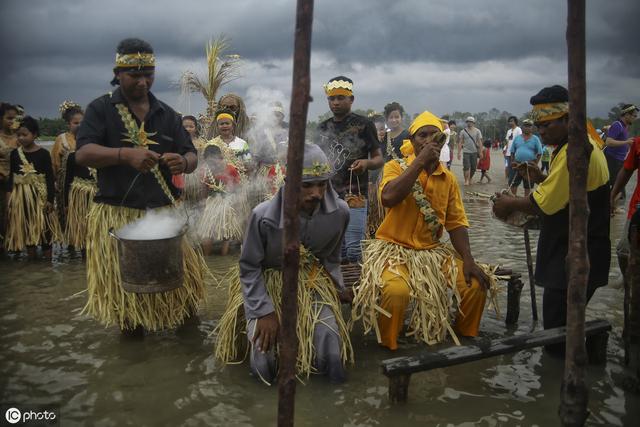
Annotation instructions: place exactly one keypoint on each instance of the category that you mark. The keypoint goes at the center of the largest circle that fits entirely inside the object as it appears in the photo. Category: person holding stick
(324, 345)
(550, 200)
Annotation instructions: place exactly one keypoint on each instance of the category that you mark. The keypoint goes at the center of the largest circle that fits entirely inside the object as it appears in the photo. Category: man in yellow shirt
(550, 201)
(407, 260)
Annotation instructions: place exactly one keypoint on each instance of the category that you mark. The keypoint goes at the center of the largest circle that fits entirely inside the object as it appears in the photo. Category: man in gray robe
(323, 221)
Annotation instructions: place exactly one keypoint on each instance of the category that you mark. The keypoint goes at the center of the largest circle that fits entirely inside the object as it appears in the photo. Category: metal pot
(150, 266)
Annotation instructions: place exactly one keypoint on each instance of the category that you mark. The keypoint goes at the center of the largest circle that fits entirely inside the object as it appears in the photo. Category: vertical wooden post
(631, 280)
(532, 284)
(574, 395)
(300, 97)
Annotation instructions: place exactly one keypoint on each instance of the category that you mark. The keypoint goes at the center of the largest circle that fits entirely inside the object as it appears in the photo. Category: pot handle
(112, 234)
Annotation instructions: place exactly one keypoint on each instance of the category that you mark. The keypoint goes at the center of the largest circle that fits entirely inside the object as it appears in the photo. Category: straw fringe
(110, 304)
(316, 290)
(28, 219)
(220, 220)
(81, 196)
(432, 284)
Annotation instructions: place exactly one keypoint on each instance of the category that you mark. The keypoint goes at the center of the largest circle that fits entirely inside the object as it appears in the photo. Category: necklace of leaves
(426, 210)
(214, 185)
(137, 136)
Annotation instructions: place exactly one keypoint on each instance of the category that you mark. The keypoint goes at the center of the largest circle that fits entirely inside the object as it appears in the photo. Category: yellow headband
(135, 60)
(337, 92)
(549, 111)
(338, 87)
(425, 119)
(224, 116)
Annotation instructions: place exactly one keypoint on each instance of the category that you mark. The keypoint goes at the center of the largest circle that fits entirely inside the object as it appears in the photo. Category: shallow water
(50, 355)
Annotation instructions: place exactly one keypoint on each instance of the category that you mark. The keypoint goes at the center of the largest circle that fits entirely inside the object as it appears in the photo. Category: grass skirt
(81, 196)
(28, 222)
(220, 220)
(314, 286)
(432, 285)
(108, 302)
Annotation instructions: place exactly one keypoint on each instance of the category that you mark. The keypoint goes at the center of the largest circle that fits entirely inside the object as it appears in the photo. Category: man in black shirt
(550, 200)
(126, 135)
(350, 142)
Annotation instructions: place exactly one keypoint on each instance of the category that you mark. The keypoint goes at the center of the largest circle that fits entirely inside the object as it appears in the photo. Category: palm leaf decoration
(221, 69)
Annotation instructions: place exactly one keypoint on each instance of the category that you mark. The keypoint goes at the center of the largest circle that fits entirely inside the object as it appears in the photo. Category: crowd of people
(372, 193)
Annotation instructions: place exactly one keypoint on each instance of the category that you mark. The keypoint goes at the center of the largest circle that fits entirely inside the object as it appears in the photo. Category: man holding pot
(136, 143)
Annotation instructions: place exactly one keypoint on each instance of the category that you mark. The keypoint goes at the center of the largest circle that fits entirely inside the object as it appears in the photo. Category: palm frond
(221, 69)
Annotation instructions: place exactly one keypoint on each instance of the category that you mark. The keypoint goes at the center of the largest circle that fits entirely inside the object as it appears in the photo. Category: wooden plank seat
(399, 369)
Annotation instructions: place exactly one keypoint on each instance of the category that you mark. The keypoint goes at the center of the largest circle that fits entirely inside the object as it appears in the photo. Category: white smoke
(154, 225)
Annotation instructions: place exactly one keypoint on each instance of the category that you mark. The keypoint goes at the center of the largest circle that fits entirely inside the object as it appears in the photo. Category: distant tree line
(492, 123)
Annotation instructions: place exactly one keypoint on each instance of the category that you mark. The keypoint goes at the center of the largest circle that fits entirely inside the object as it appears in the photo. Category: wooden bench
(399, 369)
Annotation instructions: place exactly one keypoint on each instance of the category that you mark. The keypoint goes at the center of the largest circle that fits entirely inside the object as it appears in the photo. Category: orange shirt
(405, 225)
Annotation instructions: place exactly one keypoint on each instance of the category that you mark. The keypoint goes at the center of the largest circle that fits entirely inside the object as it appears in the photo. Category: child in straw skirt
(31, 218)
(79, 190)
(221, 219)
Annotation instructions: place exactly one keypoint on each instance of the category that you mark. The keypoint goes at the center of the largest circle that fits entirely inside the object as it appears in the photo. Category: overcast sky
(441, 55)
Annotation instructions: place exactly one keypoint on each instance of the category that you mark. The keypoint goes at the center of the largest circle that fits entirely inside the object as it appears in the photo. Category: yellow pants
(395, 299)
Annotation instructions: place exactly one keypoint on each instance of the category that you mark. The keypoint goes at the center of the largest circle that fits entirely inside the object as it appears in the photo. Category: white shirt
(445, 153)
(513, 133)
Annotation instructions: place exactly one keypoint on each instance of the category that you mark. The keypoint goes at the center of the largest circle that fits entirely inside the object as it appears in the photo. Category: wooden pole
(532, 285)
(574, 395)
(300, 97)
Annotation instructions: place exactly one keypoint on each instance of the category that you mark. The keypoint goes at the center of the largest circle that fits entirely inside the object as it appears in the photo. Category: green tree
(50, 128)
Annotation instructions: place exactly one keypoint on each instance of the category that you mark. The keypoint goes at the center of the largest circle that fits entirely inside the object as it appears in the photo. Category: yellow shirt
(405, 225)
(552, 195)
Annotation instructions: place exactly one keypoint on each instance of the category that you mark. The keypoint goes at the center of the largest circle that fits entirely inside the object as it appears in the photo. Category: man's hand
(265, 334)
(530, 171)
(501, 205)
(346, 295)
(175, 162)
(470, 268)
(139, 159)
(359, 166)
(429, 153)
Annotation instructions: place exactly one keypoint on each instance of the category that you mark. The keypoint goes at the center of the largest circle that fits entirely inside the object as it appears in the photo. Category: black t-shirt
(74, 171)
(344, 142)
(41, 161)
(396, 143)
(102, 125)
(553, 243)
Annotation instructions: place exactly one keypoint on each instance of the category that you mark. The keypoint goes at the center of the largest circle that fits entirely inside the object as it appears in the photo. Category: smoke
(154, 225)
(268, 138)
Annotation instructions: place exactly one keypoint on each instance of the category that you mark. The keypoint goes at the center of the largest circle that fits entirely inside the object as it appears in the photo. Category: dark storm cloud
(64, 48)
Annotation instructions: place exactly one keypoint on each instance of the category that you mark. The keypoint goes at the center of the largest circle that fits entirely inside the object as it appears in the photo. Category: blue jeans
(352, 245)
